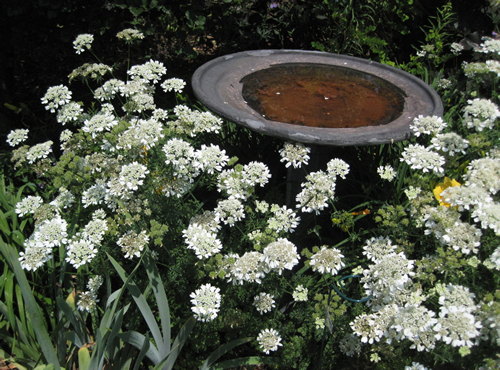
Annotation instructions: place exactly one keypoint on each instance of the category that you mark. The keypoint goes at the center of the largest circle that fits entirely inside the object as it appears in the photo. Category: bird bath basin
(315, 97)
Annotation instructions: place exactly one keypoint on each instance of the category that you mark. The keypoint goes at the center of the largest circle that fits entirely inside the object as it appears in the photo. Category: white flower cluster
(264, 302)
(387, 173)
(283, 219)
(16, 137)
(444, 222)
(132, 175)
(229, 211)
(269, 340)
(300, 294)
(173, 84)
(203, 241)
(206, 302)
(327, 260)
(317, 190)
(99, 123)
(38, 247)
(296, 154)
(132, 244)
(489, 46)
(55, 97)
(194, 122)
(428, 125)
(419, 157)
(480, 114)
(150, 71)
(281, 254)
(83, 42)
(130, 34)
(239, 183)
(28, 204)
(450, 143)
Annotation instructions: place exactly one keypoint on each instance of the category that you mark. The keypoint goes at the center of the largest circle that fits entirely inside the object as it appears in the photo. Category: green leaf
(140, 302)
(242, 361)
(142, 343)
(222, 350)
(32, 307)
(84, 358)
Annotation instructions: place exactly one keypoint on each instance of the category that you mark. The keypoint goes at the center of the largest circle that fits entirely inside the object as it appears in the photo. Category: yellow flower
(444, 185)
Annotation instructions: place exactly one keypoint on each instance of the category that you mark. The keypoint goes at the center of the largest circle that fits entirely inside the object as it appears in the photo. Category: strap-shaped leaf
(32, 307)
(222, 350)
(140, 301)
(242, 361)
(162, 303)
(141, 342)
(179, 342)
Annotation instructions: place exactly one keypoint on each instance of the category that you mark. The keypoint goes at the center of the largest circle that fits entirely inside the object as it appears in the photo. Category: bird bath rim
(218, 85)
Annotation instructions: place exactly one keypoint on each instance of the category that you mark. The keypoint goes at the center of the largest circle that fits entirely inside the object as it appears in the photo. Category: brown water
(321, 95)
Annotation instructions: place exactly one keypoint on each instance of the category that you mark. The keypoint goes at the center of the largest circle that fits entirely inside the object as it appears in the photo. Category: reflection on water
(321, 95)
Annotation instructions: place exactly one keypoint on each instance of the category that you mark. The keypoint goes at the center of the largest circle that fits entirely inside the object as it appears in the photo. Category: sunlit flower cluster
(480, 114)
(427, 125)
(150, 71)
(130, 34)
(206, 302)
(450, 143)
(300, 294)
(419, 157)
(296, 154)
(203, 241)
(281, 254)
(283, 219)
(55, 97)
(28, 205)
(132, 244)
(386, 173)
(327, 260)
(16, 137)
(316, 191)
(173, 84)
(269, 340)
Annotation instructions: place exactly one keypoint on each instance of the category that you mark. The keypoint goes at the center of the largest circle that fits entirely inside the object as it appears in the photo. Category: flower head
(83, 42)
(300, 294)
(264, 302)
(427, 125)
(294, 154)
(206, 302)
(387, 173)
(55, 97)
(16, 137)
(442, 186)
(281, 254)
(269, 340)
(327, 260)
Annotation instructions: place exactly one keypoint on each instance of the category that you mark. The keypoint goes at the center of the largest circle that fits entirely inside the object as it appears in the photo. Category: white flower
(255, 173)
(175, 84)
(87, 301)
(495, 259)
(281, 254)
(427, 125)
(130, 34)
(80, 252)
(269, 340)
(480, 114)
(489, 46)
(132, 175)
(55, 97)
(489, 216)
(316, 191)
(206, 302)
(283, 219)
(419, 157)
(450, 143)
(386, 173)
(327, 260)
(28, 205)
(64, 199)
(39, 151)
(337, 167)
(150, 71)
(69, 113)
(204, 242)
(132, 243)
(83, 42)
(376, 248)
(229, 211)
(264, 302)
(412, 192)
(210, 158)
(16, 137)
(294, 154)
(457, 327)
(300, 294)
(416, 366)
(99, 123)
(249, 267)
